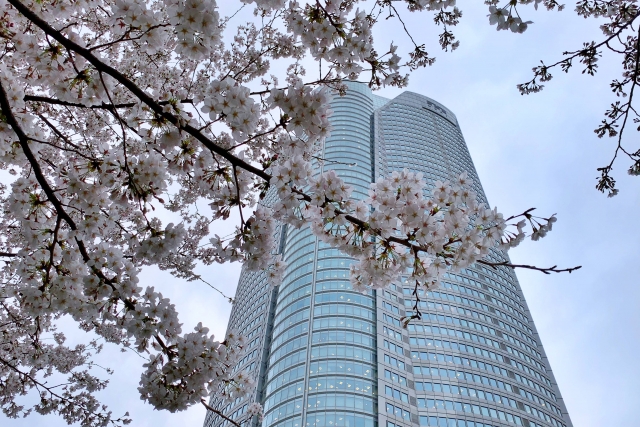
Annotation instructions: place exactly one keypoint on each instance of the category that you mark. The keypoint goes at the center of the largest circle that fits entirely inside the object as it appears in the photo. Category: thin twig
(215, 411)
(547, 270)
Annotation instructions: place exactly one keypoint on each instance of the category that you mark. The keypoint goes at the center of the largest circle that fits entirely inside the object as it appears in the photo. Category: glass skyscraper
(326, 356)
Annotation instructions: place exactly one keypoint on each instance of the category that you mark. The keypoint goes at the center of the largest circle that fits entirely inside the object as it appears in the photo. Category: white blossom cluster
(267, 5)
(309, 114)
(194, 24)
(233, 102)
(432, 4)
(255, 242)
(339, 38)
(181, 378)
(504, 18)
(118, 113)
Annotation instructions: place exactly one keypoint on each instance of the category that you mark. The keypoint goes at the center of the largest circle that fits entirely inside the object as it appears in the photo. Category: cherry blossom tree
(115, 110)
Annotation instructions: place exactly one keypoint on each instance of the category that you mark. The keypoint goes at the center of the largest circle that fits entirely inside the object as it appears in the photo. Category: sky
(530, 151)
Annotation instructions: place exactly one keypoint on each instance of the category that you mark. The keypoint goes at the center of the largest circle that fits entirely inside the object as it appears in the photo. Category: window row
(347, 146)
(486, 395)
(398, 363)
(339, 285)
(392, 333)
(292, 390)
(291, 285)
(469, 291)
(299, 254)
(304, 258)
(292, 296)
(450, 422)
(391, 320)
(344, 297)
(290, 321)
(339, 419)
(254, 321)
(244, 308)
(291, 422)
(291, 360)
(342, 262)
(448, 405)
(459, 375)
(477, 294)
(341, 401)
(286, 377)
(390, 307)
(470, 302)
(393, 347)
(447, 358)
(473, 325)
(234, 416)
(397, 411)
(288, 347)
(247, 357)
(389, 295)
(295, 271)
(334, 273)
(460, 310)
(338, 350)
(500, 274)
(323, 310)
(283, 411)
(295, 241)
(395, 377)
(396, 394)
(344, 322)
(353, 385)
(301, 328)
(343, 336)
(327, 367)
(440, 330)
(251, 281)
(293, 307)
(496, 292)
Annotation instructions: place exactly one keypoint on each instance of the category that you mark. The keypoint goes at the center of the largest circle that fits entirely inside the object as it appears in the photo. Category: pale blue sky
(537, 150)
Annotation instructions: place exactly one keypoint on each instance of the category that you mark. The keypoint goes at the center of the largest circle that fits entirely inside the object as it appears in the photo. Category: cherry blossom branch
(157, 108)
(545, 270)
(23, 141)
(606, 182)
(542, 71)
(103, 106)
(313, 83)
(49, 390)
(220, 414)
(53, 101)
(621, 20)
(134, 89)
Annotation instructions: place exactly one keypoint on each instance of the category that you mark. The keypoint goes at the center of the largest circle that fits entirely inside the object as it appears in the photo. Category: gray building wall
(328, 356)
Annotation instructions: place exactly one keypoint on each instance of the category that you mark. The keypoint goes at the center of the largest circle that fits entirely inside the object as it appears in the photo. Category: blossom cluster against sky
(536, 150)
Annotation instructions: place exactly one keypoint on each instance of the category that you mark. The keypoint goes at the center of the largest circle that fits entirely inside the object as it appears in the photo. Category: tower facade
(326, 356)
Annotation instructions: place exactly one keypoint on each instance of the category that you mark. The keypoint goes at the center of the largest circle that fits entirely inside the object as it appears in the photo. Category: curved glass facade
(328, 356)
(329, 331)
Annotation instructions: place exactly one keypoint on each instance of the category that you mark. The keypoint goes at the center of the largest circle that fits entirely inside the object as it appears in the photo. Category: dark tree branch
(156, 107)
(220, 414)
(547, 270)
(103, 106)
(23, 141)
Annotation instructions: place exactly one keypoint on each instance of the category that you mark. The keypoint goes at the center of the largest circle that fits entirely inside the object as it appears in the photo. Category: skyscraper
(327, 356)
